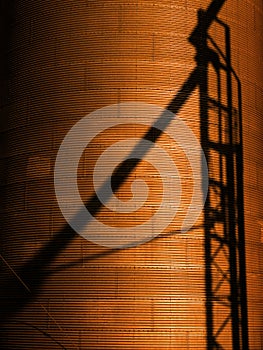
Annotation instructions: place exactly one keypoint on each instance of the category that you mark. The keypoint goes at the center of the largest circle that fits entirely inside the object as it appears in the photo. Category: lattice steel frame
(226, 304)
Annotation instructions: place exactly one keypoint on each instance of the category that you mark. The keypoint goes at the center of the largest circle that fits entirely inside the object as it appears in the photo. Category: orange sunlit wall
(63, 60)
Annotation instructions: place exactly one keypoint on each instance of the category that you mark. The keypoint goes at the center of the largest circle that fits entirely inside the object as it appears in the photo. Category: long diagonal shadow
(13, 296)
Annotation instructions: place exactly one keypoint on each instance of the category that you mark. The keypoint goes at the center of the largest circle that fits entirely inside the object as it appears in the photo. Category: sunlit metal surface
(66, 59)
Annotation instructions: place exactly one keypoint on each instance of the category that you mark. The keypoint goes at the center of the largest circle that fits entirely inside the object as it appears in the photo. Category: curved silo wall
(65, 60)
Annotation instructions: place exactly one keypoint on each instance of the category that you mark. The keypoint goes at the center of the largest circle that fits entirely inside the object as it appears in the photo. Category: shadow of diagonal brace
(14, 296)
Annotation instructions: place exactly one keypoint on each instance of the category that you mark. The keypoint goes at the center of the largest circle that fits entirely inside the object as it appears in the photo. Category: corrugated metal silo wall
(62, 60)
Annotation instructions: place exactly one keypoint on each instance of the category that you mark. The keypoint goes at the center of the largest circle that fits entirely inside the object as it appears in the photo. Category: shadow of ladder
(221, 140)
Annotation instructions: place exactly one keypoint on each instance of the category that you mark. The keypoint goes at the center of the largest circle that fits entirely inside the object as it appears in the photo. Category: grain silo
(123, 69)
